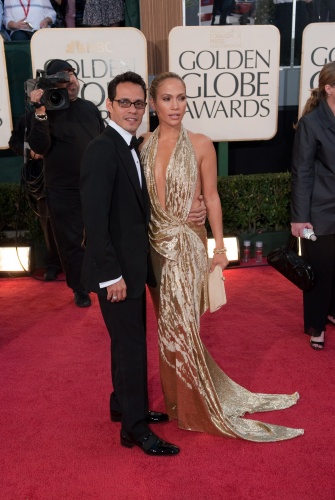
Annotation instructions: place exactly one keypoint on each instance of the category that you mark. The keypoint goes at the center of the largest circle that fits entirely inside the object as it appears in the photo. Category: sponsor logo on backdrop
(97, 55)
(231, 76)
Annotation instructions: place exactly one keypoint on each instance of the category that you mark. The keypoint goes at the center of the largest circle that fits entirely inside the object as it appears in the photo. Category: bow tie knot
(134, 143)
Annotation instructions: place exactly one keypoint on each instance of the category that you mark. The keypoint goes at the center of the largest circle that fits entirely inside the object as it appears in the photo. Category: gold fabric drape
(196, 391)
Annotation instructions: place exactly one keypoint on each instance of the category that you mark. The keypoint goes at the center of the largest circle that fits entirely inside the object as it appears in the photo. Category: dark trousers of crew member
(52, 260)
(67, 224)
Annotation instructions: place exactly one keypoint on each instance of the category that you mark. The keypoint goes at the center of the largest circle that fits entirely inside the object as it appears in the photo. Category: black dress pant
(67, 224)
(320, 301)
(51, 259)
(223, 8)
(323, 11)
(126, 326)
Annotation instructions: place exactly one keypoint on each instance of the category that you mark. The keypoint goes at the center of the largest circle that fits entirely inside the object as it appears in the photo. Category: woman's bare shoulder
(199, 141)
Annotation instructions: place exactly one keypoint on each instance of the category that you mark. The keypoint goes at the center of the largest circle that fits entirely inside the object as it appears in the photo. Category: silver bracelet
(41, 118)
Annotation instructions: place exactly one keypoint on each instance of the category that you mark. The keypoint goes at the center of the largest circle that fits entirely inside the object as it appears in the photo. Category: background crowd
(20, 19)
(280, 14)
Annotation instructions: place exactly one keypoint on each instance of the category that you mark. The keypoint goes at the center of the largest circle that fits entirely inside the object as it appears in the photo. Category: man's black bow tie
(134, 143)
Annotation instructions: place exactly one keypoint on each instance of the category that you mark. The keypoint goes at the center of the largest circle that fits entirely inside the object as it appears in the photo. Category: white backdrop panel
(97, 54)
(232, 79)
(318, 48)
(5, 109)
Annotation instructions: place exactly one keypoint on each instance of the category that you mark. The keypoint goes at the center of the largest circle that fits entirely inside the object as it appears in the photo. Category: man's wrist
(37, 105)
(41, 117)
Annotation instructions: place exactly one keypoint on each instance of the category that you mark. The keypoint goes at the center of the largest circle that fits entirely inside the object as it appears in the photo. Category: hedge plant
(16, 213)
(250, 204)
(255, 203)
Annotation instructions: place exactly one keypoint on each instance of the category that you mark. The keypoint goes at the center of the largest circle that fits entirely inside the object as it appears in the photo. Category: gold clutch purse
(216, 289)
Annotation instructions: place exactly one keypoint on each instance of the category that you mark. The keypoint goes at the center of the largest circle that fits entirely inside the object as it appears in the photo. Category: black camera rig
(53, 98)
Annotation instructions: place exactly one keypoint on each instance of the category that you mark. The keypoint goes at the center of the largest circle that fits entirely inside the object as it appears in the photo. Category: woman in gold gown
(179, 166)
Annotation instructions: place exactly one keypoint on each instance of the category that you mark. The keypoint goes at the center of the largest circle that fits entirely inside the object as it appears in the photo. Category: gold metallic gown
(196, 391)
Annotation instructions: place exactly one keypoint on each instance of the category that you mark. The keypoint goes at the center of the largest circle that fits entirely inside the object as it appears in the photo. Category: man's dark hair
(129, 76)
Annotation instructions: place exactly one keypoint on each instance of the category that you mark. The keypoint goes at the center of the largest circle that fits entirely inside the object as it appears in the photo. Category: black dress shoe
(82, 298)
(51, 274)
(150, 444)
(153, 417)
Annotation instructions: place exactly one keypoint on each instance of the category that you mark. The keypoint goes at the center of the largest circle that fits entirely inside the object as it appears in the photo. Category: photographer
(61, 136)
(34, 185)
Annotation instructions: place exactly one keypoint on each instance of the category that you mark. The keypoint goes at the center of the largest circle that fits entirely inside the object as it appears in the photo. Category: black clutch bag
(291, 265)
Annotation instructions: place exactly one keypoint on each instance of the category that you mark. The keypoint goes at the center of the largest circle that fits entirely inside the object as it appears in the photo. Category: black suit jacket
(313, 170)
(116, 216)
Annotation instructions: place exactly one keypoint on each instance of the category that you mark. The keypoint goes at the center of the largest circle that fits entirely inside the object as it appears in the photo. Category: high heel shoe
(317, 345)
(314, 344)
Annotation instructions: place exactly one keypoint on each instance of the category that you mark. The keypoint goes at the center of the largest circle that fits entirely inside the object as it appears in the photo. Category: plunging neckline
(166, 172)
(180, 177)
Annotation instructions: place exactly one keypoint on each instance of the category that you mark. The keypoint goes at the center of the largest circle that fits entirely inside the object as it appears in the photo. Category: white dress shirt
(33, 11)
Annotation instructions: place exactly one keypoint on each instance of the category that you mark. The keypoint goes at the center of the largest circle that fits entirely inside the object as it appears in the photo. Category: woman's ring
(114, 297)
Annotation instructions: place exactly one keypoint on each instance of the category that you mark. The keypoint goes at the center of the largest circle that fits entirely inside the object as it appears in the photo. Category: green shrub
(250, 204)
(254, 203)
(17, 214)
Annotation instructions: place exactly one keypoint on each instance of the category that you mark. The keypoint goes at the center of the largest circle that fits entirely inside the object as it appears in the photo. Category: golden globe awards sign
(97, 54)
(318, 49)
(5, 110)
(232, 78)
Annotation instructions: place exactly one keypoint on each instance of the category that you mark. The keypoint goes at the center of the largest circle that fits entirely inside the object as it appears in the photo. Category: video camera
(53, 98)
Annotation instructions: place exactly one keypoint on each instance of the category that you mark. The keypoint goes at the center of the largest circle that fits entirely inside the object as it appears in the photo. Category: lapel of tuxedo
(128, 163)
(145, 194)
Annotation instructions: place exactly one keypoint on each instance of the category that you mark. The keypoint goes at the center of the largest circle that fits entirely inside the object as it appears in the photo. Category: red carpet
(56, 438)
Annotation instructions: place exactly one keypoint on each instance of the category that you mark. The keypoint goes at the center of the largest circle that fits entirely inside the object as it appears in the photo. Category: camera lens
(56, 99)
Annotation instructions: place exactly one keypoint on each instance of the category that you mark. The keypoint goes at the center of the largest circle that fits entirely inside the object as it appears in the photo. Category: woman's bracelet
(219, 251)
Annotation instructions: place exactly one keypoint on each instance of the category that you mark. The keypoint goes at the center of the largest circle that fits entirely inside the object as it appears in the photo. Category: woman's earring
(154, 113)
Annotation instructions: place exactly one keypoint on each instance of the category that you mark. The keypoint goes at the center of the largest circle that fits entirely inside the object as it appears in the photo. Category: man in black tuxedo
(116, 264)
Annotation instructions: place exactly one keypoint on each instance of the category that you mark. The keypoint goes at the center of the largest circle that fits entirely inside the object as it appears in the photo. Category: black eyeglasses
(125, 103)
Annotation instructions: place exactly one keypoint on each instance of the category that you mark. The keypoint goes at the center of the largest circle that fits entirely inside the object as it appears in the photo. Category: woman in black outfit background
(313, 201)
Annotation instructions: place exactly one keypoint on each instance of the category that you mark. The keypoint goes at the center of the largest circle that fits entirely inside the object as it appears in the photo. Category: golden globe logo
(231, 79)
(231, 91)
